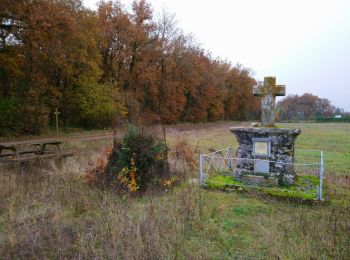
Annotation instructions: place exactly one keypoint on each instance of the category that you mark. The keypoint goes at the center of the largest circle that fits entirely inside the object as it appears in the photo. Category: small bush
(136, 162)
(139, 160)
(184, 157)
(96, 173)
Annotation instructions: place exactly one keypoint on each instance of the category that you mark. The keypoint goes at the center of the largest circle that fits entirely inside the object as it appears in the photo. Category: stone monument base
(266, 151)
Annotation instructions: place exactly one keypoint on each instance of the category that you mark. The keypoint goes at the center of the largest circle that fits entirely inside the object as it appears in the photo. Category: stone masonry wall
(282, 150)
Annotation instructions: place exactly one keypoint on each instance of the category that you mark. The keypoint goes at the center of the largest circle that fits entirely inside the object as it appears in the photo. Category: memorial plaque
(261, 148)
(262, 166)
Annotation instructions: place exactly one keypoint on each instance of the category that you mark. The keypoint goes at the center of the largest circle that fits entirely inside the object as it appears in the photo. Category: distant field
(53, 213)
(332, 138)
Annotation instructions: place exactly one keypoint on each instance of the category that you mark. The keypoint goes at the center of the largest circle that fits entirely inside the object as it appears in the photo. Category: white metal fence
(307, 162)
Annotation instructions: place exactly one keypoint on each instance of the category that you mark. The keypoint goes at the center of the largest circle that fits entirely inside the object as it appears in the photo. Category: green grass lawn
(49, 211)
(332, 138)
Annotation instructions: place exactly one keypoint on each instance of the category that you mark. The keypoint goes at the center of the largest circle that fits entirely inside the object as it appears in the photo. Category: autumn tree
(114, 33)
(304, 107)
(240, 104)
(94, 65)
(167, 90)
(11, 62)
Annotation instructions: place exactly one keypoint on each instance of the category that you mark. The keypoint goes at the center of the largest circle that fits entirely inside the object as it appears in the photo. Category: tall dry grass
(48, 211)
(308, 233)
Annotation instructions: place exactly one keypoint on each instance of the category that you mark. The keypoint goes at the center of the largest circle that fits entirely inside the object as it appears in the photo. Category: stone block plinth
(278, 159)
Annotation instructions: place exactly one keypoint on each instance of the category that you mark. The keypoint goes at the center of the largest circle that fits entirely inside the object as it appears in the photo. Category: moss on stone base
(222, 182)
(305, 187)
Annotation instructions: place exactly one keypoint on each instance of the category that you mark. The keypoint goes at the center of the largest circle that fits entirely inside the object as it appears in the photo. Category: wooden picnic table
(37, 148)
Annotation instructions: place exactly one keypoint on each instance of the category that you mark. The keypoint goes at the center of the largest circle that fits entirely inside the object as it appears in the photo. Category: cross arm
(258, 89)
(280, 90)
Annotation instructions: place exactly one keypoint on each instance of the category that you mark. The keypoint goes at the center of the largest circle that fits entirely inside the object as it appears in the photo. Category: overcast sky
(305, 44)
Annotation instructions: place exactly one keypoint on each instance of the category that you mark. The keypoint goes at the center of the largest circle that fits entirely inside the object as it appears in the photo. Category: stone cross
(268, 91)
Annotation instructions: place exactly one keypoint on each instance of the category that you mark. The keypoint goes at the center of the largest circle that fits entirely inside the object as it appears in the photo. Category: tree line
(111, 64)
(305, 107)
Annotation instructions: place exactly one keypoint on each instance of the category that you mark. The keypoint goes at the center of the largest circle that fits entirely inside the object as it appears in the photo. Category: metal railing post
(230, 157)
(321, 175)
(201, 177)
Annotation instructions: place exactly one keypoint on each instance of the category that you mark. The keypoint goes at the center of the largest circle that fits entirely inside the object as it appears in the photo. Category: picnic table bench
(19, 151)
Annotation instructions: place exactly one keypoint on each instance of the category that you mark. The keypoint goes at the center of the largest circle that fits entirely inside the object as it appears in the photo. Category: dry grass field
(47, 210)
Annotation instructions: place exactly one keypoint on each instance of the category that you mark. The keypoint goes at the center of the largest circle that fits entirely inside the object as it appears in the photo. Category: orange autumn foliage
(53, 48)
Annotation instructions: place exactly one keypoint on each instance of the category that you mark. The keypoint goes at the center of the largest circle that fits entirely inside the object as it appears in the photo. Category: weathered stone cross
(268, 91)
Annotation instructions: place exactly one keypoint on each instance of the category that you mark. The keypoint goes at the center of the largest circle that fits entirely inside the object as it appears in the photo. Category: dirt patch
(204, 126)
(108, 134)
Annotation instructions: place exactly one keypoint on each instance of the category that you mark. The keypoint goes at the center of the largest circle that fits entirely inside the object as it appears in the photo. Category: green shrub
(141, 155)
(28, 116)
(9, 115)
(97, 104)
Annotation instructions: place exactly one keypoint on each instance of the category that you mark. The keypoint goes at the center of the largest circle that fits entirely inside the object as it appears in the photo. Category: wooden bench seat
(30, 150)
(39, 157)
